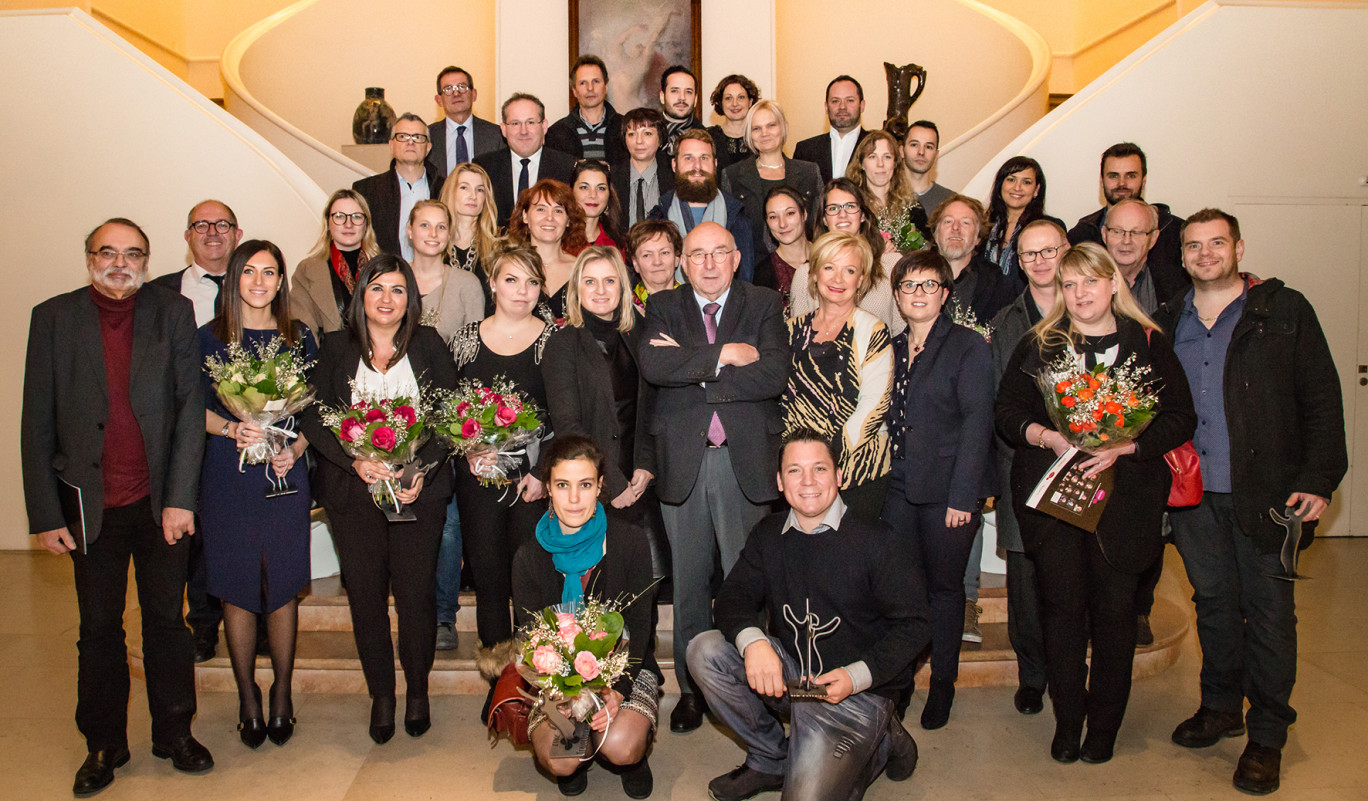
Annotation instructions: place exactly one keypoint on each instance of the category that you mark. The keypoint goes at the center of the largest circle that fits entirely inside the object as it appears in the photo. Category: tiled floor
(987, 752)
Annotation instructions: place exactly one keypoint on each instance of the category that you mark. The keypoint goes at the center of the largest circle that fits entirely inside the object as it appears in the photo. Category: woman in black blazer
(750, 180)
(1087, 581)
(384, 350)
(593, 387)
(941, 427)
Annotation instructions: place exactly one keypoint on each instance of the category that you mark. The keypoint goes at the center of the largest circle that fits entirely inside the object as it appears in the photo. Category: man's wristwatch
(226, 426)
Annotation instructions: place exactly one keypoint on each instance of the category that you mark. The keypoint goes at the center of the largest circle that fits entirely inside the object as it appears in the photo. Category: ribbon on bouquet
(494, 470)
(266, 449)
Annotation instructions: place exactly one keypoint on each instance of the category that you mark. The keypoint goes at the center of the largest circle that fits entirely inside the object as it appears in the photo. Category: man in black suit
(460, 136)
(524, 127)
(679, 104)
(696, 199)
(211, 231)
(645, 173)
(831, 152)
(1124, 172)
(718, 353)
(104, 483)
(392, 194)
(593, 128)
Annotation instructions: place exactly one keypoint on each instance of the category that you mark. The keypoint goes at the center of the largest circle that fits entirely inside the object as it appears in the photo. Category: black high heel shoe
(281, 727)
(252, 730)
(382, 719)
(417, 717)
(1064, 747)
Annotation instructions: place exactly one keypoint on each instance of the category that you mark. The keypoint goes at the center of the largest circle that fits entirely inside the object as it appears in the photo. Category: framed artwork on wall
(637, 40)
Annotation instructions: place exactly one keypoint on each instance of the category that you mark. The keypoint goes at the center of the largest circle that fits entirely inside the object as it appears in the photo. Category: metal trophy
(1291, 547)
(808, 627)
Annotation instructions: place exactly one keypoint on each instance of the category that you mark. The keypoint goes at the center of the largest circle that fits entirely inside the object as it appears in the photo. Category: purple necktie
(716, 435)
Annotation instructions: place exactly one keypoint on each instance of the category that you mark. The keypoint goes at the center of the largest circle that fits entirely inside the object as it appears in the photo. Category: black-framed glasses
(456, 88)
(202, 227)
(110, 255)
(408, 137)
(341, 217)
(850, 207)
(1123, 233)
(930, 286)
(697, 257)
(1028, 256)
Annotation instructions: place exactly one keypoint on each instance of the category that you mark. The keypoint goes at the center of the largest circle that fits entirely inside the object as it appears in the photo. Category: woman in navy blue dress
(256, 548)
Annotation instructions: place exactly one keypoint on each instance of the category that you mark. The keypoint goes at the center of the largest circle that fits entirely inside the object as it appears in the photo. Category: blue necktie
(462, 152)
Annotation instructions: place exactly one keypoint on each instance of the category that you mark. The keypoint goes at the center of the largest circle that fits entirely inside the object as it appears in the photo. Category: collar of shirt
(831, 521)
(533, 167)
(1234, 307)
(843, 149)
(649, 174)
(721, 302)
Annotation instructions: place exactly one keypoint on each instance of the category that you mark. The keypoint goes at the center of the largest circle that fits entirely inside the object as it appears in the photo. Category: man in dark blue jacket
(1271, 439)
(697, 199)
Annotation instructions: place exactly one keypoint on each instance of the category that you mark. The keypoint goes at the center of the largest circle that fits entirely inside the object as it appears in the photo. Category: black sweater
(861, 572)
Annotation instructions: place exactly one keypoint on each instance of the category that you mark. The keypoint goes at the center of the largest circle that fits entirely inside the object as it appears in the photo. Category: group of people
(796, 379)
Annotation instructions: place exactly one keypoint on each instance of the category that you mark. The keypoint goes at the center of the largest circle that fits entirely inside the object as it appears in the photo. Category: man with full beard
(697, 199)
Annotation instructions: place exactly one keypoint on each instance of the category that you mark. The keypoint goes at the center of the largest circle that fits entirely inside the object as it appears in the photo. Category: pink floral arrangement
(389, 430)
(496, 418)
(569, 648)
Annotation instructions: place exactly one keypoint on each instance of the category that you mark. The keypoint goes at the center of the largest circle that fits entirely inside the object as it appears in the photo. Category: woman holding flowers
(581, 553)
(256, 548)
(1087, 582)
(498, 512)
(384, 353)
(877, 168)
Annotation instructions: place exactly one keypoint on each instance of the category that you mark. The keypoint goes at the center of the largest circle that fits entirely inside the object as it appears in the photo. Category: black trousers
(1083, 597)
(205, 611)
(102, 682)
(379, 558)
(1023, 621)
(492, 530)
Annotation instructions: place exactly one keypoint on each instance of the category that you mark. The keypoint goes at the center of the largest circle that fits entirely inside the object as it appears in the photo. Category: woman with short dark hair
(732, 99)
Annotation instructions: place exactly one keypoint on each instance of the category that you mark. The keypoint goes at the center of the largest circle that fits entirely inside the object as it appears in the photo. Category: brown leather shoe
(1207, 727)
(1258, 770)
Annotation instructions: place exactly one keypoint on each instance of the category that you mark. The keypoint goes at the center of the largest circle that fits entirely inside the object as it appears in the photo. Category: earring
(551, 512)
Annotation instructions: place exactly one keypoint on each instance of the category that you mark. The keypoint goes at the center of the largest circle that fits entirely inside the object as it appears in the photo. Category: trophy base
(404, 514)
(801, 690)
(281, 491)
(577, 745)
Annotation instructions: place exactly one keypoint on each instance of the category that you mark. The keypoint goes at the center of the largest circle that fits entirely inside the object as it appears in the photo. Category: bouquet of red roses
(497, 418)
(1100, 407)
(388, 430)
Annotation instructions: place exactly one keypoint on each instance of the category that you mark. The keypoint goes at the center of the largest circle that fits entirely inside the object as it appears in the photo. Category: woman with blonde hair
(844, 209)
(1087, 581)
(474, 228)
(841, 370)
(750, 180)
(451, 296)
(877, 168)
(323, 283)
(548, 219)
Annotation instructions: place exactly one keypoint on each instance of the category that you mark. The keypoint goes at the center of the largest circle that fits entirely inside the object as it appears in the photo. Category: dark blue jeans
(1246, 621)
(834, 751)
(449, 566)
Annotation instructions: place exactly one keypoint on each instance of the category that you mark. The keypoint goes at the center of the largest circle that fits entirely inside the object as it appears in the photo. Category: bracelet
(226, 426)
(1041, 439)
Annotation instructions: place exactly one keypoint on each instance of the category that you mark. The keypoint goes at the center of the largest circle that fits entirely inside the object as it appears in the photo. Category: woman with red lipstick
(841, 371)
(547, 219)
(594, 193)
(786, 218)
(1087, 581)
(582, 551)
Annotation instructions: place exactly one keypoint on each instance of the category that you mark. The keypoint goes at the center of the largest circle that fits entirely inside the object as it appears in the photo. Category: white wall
(141, 144)
(1273, 133)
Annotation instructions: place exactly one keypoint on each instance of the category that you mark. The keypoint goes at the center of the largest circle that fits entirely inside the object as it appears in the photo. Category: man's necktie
(462, 152)
(716, 435)
(218, 294)
(522, 179)
(640, 201)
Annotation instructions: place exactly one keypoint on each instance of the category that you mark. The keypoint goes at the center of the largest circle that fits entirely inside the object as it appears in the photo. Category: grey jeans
(834, 751)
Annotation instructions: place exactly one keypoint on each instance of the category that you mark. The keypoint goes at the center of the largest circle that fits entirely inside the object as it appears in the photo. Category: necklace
(917, 347)
(1210, 319)
(831, 329)
(769, 166)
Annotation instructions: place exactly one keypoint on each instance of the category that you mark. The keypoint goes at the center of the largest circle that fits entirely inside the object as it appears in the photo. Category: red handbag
(1186, 467)
(510, 707)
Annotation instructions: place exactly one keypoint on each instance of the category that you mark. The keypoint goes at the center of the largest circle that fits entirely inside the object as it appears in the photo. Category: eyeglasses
(1125, 234)
(930, 286)
(697, 257)
(1028, 256)
(408, 137)
(341, 217)
(832, 209)
(110, 255)
(202, 227)
(456, 88)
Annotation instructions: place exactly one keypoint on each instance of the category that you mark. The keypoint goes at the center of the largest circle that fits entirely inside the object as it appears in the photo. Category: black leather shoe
(902, 752)
(637, 781)
(206, 643)
(1258, 769)
(1097, 747)
(382, 719)
(743, 783)
(1207, 727)
(1144, 635)
(1064, 747)
(936, 713)
(97, 772)
(252, 731)
(1029, 700)
(280, 730)
(687, 714)
(575, 783)
(186, 754)
(417, 718)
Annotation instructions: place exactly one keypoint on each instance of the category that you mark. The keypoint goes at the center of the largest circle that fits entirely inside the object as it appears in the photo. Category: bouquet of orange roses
(1101, 407)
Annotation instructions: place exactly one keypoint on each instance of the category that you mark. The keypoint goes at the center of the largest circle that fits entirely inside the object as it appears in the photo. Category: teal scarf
(573, 554)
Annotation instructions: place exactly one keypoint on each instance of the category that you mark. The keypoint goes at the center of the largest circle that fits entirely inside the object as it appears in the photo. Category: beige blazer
(311, 297)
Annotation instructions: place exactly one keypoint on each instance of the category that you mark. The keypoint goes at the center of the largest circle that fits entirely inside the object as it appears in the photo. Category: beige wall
(1199, 100)
(146, 146)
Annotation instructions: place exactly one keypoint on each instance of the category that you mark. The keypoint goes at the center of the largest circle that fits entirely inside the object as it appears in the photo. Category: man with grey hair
(410, 178)
(526, 160)
(1132, 229)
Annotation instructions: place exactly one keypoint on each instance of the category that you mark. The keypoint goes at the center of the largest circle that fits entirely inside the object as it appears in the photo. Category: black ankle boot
(941, 697)
(382, 719)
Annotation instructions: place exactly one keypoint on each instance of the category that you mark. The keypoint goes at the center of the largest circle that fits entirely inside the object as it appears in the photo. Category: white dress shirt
(451, 136)
(533, 167)
(409, 195)
(201, 290)
(842, 148)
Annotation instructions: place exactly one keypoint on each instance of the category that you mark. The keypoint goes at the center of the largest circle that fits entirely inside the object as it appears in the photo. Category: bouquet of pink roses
(388, 430)
(497, 418)
(569, 649)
